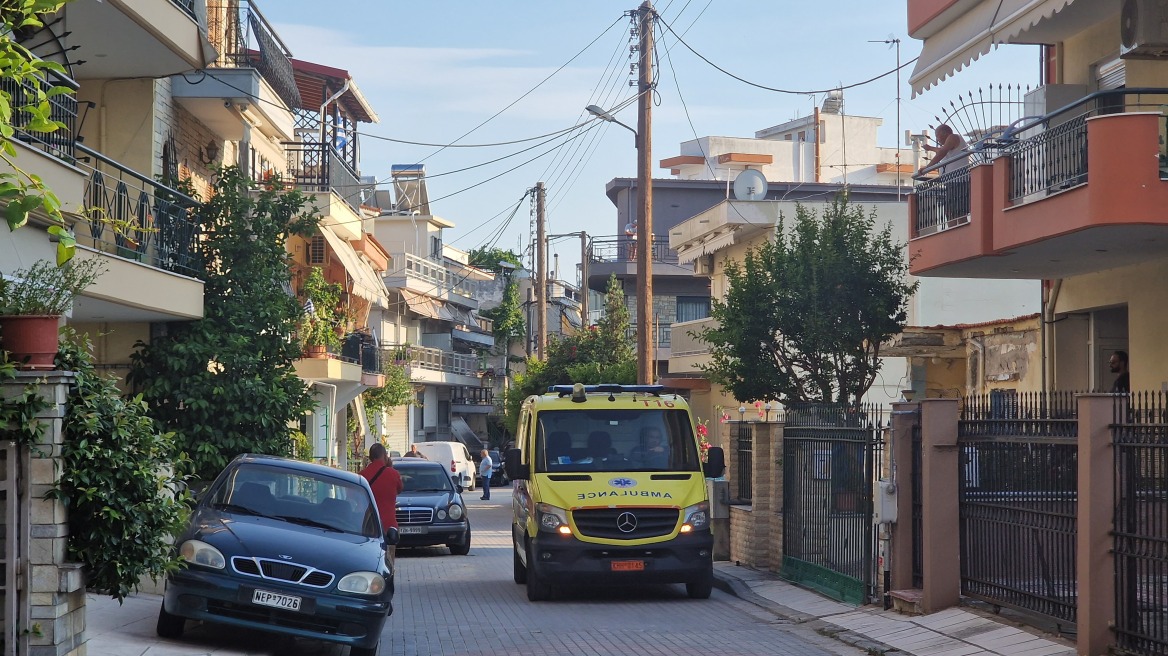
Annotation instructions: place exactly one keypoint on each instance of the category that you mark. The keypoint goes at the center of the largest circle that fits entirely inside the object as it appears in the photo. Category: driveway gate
(830, 456)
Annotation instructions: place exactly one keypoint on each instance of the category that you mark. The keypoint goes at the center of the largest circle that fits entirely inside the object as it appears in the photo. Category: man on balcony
(954, 186)
(949, 143)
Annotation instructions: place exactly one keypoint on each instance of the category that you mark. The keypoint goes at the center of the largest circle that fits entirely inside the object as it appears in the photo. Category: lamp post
(644, 228)
(741, 414)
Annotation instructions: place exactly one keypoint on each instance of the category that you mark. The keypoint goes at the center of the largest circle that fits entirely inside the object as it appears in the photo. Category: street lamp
(603, 115)
(644, 233)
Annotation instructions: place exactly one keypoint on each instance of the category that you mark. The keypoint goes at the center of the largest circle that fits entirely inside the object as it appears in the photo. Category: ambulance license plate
(627, 565)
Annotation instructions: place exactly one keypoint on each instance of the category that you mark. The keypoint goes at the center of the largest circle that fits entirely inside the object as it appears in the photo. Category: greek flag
(309, 308)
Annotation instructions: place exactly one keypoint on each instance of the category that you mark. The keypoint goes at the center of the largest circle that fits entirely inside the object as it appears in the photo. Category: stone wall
(51, 610)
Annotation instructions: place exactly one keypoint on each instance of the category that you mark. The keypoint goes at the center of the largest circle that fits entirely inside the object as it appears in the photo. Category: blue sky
(433, 71)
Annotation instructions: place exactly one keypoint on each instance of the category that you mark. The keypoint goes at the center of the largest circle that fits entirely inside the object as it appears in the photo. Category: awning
(422, 304)
(974, 33)
(706, 247)
(366, 283)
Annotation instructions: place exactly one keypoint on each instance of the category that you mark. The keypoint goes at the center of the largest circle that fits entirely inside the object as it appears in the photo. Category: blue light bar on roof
(608, 388)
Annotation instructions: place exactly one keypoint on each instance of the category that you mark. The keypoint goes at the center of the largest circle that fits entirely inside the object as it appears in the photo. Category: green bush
(125, 502)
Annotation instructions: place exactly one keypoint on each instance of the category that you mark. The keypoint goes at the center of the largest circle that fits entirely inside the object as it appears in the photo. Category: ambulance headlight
(697, 517)
(552, 519)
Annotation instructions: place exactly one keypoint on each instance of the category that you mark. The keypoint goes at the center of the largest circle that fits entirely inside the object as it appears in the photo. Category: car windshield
(298, 497)
(425, 479)
(615, 440)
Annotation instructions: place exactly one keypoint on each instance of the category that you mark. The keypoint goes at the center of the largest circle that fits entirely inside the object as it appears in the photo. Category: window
(316, 250)
(435, 247)
(692, 308)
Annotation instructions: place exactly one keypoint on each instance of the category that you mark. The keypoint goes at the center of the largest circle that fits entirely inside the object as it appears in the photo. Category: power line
(766, 88)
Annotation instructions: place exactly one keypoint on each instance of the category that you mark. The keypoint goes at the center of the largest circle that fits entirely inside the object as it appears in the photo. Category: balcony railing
(663, 338)
(245, 39)
(136, 218)
(443, 280)
(314, 167)
(433, 359)
(188, 6)
(474, 396)
(1048, 153)
(62, 108)
(624, 249)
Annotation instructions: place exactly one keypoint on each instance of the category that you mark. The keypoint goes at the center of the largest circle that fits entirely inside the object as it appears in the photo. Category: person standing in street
(486, 468)
(386, 484)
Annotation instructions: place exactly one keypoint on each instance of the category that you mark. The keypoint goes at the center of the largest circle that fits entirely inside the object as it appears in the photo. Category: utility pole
(645, 191)
(583, 280)
(540, 283)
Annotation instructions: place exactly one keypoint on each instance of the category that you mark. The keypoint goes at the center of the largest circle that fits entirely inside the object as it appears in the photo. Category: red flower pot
(31, 340)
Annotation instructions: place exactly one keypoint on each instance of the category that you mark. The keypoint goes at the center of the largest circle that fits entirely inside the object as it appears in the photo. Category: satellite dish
(751, 184)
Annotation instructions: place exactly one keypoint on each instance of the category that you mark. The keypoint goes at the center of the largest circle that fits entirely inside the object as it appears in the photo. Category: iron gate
(1141, 526)
(1018, 497)
(830, 456)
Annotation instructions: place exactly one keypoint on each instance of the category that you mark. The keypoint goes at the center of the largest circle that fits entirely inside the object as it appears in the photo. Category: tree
(601, 354)
(489, 258)
(225, 384)
(507, 317)
(22, 192)
(805, 314)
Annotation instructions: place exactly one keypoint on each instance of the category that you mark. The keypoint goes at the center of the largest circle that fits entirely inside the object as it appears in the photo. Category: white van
(455, 457)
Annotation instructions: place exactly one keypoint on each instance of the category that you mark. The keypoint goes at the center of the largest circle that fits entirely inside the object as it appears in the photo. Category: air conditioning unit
(1143, 29)
(704, 265)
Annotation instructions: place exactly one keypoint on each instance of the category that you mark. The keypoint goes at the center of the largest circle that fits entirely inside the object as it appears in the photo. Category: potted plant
(322, 316)
(32, 301)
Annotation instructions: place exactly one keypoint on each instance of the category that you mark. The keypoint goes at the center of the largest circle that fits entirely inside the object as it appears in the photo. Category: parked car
(284, 546)
(455, 457)
(430, 510)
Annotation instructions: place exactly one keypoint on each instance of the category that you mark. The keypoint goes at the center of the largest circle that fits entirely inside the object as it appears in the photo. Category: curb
(737, 587)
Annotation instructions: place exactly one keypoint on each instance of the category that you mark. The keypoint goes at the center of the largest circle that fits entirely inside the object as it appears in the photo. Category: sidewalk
(951, 632)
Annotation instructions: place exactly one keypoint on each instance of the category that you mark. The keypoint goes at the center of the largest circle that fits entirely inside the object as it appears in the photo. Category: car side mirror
(715, 464)
(392, 536)
(513, 465)
(457, 485)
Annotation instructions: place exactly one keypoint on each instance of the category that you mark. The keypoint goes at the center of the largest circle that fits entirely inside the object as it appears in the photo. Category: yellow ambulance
(610, 490)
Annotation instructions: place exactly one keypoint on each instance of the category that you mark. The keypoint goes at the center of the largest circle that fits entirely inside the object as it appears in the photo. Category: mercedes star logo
(626, 522)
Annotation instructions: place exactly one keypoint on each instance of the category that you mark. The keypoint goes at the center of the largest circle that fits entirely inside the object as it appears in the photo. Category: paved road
(469, 605)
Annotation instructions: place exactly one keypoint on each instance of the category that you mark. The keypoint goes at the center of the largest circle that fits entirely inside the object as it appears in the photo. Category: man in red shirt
(386, 484)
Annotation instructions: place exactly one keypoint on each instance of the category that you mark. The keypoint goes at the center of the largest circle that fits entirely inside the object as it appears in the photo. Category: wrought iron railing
(624, 249)
(245, 39)
(1048, 154)
(1018, 494)
(314, 167)
(1141, 524)
(62, 108)
(136, 218)
(474, 396)
(942, 202)
(744, 457)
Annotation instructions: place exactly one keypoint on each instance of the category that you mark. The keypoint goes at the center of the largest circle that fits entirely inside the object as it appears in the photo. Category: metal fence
(942, 202)
(624, 249)
(1018, 494)
(1141, 525)
(744, 457)
(136, 218)
(830, 456)
(245, 39)
(918, 513)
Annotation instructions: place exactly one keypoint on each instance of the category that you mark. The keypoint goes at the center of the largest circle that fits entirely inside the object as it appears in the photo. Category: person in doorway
(486, 468)
(386, 484)
(414, 453)
(1118, 365)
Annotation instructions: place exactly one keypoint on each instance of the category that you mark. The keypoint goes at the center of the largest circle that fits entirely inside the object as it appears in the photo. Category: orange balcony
(1078, 191)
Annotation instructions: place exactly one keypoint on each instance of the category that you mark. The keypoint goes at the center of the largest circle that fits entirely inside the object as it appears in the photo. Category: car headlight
(441, 514)
(455, 511)
(552, 519)
(697, 517)
(197, 552)
(364, 583)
